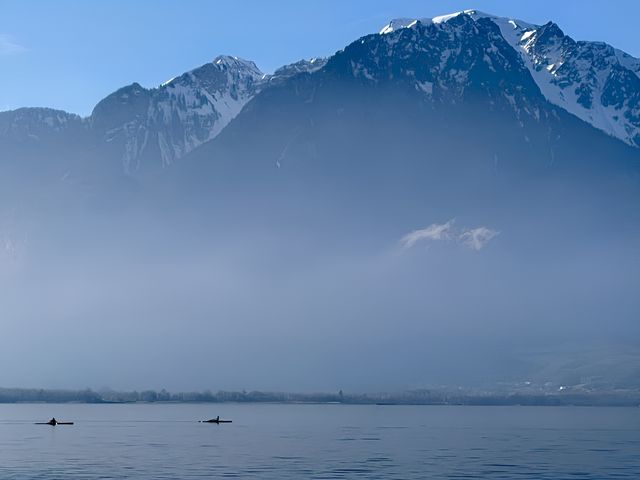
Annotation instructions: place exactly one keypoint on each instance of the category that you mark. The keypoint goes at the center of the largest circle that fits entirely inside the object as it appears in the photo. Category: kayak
(215, 420)
(54, 424)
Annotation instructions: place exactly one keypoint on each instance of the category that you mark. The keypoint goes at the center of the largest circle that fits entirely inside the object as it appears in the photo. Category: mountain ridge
(557, 64)
(146, 129)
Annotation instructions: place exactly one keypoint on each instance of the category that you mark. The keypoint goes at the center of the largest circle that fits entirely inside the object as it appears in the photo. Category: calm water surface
(319, 441)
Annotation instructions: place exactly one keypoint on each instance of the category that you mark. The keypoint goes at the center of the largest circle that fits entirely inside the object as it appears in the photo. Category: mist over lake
(279, 239)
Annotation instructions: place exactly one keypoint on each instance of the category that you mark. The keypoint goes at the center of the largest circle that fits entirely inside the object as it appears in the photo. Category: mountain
(414, 122)
(302, 66)
(592, 80)
(420, 207)
(40, 142)
(31, 124)
(160, 125)
(458, 77)
(149, 129)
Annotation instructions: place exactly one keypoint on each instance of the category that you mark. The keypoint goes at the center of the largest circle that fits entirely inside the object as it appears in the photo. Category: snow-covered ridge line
(399, 23)
(166, 122)
(185, 111)
(182, 113)
(591, 80)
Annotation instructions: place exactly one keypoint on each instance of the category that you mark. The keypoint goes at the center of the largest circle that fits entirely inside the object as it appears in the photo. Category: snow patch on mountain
(194, 107)
(591, 80)
(154, 127)
(587, 79)
(178, 116)
(171, 120)
(301, 66)
(400, 23)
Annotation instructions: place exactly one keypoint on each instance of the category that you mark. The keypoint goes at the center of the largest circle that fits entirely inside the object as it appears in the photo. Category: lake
(273, 441)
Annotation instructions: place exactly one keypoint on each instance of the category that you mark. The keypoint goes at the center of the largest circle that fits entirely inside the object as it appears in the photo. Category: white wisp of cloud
(8, 46)
(477, 238)
(435, 231)
(474, 238)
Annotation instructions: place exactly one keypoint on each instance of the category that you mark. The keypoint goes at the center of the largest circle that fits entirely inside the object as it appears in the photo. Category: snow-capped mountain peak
(591, 80)
(171, 120)
(400, 23)
(236, 63)
(186, 111)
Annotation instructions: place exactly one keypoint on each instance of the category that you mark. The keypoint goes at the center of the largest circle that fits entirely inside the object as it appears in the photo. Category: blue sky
(70, 54)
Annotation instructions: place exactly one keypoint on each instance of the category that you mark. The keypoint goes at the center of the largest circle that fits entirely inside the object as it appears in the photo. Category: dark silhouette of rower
(215, 420)
(53, 422)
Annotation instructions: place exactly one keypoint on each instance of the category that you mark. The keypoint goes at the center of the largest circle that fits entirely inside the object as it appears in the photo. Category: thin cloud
(477, 238)
(435, 231)
(8, 46)
(473, 238)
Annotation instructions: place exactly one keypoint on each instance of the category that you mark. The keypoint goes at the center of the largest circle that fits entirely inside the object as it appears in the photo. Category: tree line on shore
(413, 397)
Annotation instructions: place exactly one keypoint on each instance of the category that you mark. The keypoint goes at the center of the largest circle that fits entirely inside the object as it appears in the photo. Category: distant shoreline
(622, 398)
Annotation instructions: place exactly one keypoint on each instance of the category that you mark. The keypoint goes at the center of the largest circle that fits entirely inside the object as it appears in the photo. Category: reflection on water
(148, 441)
